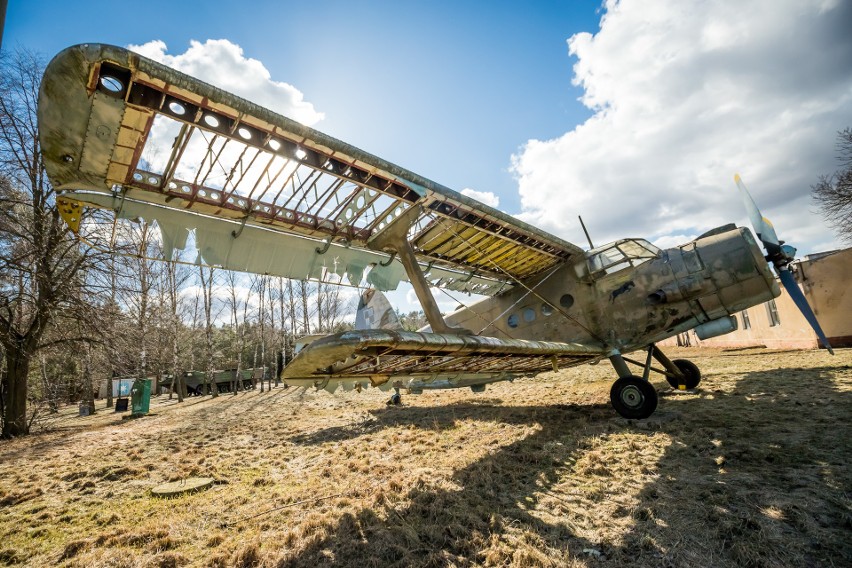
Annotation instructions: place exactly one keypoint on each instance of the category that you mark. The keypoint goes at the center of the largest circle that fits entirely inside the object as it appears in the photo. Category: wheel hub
(632, 396)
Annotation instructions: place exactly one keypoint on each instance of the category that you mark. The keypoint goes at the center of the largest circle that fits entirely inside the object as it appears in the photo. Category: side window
(513, 320)
(772, 313)
(529, 314)
(609, 261)
(618, 256)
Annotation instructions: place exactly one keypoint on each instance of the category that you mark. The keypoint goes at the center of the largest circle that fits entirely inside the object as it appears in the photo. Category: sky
(633, 114)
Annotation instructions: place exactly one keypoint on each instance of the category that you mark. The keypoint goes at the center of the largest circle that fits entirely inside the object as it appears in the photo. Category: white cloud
(222, 63)
(486, 197)
(684, 95)
(447, 301)
(670, 241)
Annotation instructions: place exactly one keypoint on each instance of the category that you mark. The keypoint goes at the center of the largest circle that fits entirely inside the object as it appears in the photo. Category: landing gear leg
(681, 374)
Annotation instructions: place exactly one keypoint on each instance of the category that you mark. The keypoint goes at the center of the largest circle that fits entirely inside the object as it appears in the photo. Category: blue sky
(634, 114)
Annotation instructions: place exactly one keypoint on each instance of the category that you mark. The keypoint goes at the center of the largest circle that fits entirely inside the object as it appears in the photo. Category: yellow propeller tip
(737, 177)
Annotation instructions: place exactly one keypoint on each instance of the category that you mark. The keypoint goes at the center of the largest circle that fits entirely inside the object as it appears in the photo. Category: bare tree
(283, 355)
(260, 284)
(291, 301)
(112, 318)
(176, 277)
(88, 385)
(237, 326)
(269, 369)
(142, 288)
(304, 290)
(193, 332)
(207, 276)
(331, 308)
(833, 194)
(412, 321)
(39, 260)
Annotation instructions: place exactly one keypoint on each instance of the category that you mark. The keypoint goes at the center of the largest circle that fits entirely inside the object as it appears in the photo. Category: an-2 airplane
(265, 194)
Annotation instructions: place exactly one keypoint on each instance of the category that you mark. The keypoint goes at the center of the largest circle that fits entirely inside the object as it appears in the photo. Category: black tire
(691, 374)
(395, 399)
(633, 397)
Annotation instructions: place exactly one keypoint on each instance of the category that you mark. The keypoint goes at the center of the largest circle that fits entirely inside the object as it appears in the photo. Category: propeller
(780, 255)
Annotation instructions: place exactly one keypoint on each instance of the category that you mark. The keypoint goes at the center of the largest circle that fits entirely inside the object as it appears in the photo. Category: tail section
(375, 312)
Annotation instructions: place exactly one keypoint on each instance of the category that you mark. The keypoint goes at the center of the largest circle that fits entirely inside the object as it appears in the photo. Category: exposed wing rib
(117, 124)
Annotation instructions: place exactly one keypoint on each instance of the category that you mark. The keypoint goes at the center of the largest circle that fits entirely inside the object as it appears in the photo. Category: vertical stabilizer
(375, 312)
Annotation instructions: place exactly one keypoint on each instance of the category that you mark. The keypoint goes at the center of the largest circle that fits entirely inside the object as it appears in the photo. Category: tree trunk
(88, 388)
(177, 375)
(207, 286)
(15, 411)
(281, 357)
(144, 290)
(254, 368)
(260, 317)
(306, 314)
(50, 390)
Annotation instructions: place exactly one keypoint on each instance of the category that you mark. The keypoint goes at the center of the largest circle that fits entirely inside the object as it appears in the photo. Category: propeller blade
(762, 226)
(802, 303)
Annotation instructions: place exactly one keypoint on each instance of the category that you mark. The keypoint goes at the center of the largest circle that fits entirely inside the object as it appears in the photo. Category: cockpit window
(619, 255)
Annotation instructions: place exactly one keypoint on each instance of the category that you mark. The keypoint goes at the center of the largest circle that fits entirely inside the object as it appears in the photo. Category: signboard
(121, 387)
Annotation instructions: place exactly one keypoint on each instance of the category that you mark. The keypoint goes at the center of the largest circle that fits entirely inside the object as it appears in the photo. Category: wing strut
(394, 239)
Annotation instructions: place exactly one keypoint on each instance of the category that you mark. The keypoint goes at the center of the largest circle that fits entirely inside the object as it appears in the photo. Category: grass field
(752, 469)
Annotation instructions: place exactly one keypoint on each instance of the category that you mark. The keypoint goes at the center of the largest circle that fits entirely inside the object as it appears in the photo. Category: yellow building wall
(827, 283)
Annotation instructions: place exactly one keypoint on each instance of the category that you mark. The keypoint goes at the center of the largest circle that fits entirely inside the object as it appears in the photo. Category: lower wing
(417, 361)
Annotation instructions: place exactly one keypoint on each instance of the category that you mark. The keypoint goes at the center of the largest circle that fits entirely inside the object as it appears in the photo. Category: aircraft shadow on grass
(748, 479)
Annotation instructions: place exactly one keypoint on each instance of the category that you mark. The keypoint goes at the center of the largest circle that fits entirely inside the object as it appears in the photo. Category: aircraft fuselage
(627, 300)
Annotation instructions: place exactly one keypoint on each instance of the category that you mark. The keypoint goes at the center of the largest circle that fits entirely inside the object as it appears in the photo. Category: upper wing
(262, 193)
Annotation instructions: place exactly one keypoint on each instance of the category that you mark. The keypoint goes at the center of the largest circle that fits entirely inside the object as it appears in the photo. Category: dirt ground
(751, 469)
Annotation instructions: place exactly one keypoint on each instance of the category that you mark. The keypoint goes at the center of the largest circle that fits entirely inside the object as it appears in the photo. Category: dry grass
(751, 470)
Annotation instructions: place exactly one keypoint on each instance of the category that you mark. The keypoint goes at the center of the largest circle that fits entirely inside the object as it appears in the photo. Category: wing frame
(383, 357)
(98, 106)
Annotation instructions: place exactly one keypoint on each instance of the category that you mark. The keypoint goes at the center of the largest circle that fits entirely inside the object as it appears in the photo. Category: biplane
(262, 193)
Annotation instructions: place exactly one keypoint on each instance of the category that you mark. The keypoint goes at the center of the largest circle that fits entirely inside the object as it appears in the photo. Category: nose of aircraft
(737, 271)
(781, 256)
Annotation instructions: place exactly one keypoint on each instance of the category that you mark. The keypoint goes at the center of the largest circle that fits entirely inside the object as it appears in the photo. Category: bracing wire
(515, 279)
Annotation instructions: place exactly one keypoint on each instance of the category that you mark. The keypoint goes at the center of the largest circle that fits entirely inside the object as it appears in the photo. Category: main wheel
(395, 400)
(691, 374)
(633, 397)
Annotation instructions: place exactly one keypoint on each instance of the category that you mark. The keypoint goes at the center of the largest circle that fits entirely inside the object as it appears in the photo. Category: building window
(746, 321)
(772, 313)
